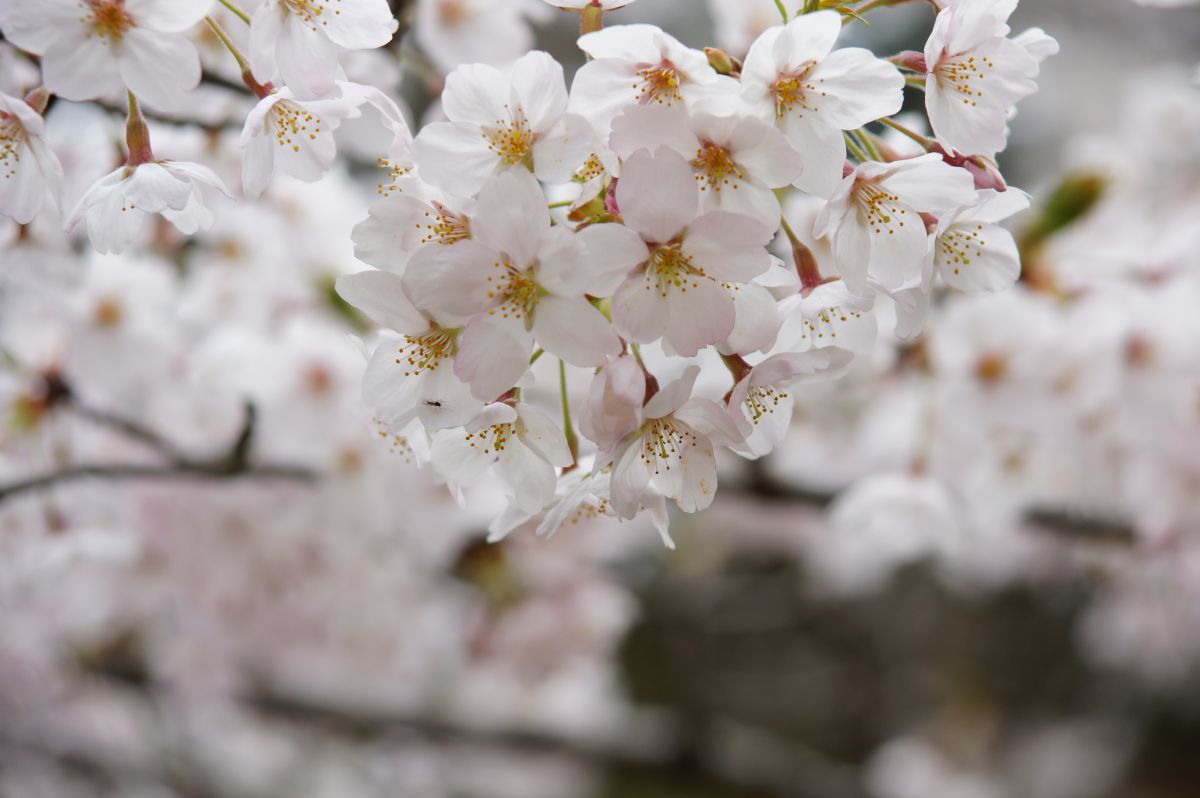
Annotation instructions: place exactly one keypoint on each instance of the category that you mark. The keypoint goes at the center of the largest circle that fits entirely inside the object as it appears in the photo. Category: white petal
(80, 67)
(575, 331)
(611, 252)
(452, 279)
(168, 16)
(699, 315)
(511, 216)
(544, 436)
(492, 357)
(381, 296)
(539, 89)
(673, 395)
(729, 246)
(657, 194)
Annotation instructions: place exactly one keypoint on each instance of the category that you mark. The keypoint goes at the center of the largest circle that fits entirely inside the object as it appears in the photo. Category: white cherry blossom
(411, 215)
(672, 452)
(30, 173)
(518, 279)
(295, 136)
(640, 65)
(523, 444)
(501, 120)
(298, 41)
(976, 75)
(410, 377)
(674, 272)
(795, 78)
(116, 206)
(761, 402)
(93, 48)
(973, 253)
(874, 218)
(737, 160)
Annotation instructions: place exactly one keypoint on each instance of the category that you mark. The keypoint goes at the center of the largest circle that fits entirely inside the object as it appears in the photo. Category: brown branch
(233, 463)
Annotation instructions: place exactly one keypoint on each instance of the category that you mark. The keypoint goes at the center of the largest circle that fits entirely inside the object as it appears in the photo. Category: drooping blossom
(973, 253)
(30, 173)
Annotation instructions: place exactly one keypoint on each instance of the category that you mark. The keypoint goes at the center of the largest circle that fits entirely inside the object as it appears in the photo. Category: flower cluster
(622, 227)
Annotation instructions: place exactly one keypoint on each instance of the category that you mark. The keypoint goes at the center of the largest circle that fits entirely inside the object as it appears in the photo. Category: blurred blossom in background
(972, 569)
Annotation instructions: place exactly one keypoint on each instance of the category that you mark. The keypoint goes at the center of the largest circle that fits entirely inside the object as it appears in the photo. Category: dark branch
(234, 463)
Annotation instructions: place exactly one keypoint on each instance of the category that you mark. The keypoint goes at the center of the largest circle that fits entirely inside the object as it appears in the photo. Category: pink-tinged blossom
(523, 443)
(614, 402)
(973, 253)
(94, 48)
(412, 376)
(642, 65)
(874, 218)
(976, 74)
(29, 170)
(283, 133)
(298, 41)
(503, 120)
(672, 273)
(794, 78)
(411, 215)
(672, 452)
(737, 160)
(116, 206)
(517, 279)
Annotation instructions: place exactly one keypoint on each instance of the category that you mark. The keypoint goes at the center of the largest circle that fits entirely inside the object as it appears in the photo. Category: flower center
(958, 243)
(394, 173)
(12, 135)
(592, 169)
(511, 140)
(964, 74)
(516, 291)
(492, 440)
(110, 21)
(310, 11)
(670, 268)
(763, 400)
(290, 124)
(716, 169)
(825, 321)
(425, 352)
(108, 313)
(453, 12)
(795, 90)
(663, 441)
(445, 226)
(659, 84)
(879, 208)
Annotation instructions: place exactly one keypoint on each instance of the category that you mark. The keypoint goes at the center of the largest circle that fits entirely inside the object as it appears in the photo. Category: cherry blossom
(116, 206)
(523, 444)
(976, 74)
(874, 218)
(640, 65)
(737, 160)
(674, 272)
(501, 120)
(296, 136)
(973, 253)
(795, 78)
(29, 170)
(298, 41)
(456, 32)
(411, 377)
(761, 402)
(93, 48)
(672, 452)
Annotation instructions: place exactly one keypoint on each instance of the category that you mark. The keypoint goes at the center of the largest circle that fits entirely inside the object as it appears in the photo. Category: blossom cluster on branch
(622, 226)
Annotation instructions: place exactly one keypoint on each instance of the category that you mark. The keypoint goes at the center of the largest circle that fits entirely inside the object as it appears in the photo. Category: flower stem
(247, 74)
(560, 204)
(536, 356)
(568, 428)
(782, 10)
(591, 18)
(927, 143)
(237, 11)
(853, 147)
(137, 135)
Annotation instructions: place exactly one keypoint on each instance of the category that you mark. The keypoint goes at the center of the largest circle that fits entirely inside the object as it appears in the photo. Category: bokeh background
(972, 572)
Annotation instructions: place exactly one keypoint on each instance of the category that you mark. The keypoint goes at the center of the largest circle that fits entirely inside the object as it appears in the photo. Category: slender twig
(924, 141)
(782, 10)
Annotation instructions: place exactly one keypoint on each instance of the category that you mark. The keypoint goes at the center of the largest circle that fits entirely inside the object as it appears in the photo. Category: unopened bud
(723, 62)
(911, 59)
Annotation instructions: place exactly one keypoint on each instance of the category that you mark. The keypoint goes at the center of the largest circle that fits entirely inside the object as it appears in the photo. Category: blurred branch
(233, 463)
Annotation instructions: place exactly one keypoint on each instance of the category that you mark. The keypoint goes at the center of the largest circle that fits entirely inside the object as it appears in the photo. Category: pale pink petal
(543, 435)
(657, 194)
(575, 331)
(380, 295)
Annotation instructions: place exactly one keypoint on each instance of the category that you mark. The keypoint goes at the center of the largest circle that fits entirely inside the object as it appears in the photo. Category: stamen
(670, 268)
(659, 84)
(290, 123)
(716, 169)
(109, 19)
(957, 244)
(795, 90)
(964, 75)
(516, 292)
(12, 136)
(880, 209)
(423, 353)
